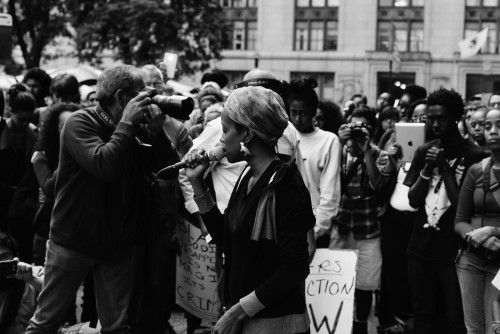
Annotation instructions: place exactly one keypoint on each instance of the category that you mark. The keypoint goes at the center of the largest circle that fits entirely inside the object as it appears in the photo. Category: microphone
(213, 154)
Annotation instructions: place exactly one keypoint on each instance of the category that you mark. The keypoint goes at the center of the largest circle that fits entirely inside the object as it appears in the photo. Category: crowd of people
(82, 202)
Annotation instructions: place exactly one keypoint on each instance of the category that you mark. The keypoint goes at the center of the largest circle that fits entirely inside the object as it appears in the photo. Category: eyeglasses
(419, 119)
(440, 119)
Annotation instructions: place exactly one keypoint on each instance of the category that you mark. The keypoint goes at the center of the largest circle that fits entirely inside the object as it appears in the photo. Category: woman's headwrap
(259, 109)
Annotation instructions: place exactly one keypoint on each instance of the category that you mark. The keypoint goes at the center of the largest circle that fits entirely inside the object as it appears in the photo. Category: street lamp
(256, 58)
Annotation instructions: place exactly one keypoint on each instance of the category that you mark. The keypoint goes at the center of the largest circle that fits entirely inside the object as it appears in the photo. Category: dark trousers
(431, 282)
(395, 293)
(153, 296)
(65, 269)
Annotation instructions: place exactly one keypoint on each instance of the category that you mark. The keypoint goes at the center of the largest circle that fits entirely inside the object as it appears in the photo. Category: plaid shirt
(359, 205)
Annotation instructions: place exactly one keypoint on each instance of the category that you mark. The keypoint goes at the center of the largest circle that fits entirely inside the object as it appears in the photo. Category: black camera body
(357, 132)
(175, 106)
(8, 268)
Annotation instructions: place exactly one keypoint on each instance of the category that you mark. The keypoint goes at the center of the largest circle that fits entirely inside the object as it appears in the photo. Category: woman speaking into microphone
(264, 228)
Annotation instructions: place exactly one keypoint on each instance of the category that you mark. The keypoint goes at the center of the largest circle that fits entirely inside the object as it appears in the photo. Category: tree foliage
(36, 23)
(141, 31)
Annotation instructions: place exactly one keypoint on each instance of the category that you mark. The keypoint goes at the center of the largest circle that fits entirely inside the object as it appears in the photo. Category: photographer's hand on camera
(154, 119)
(363, 142)
(134, 111)
(344, 134)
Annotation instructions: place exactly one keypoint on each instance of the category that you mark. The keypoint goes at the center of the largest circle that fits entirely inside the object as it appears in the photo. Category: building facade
(365, 46)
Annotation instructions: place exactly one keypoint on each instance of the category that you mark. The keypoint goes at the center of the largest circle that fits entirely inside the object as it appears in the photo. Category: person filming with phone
(105, 153)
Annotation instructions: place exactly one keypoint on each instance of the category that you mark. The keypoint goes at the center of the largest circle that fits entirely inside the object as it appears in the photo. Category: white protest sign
(496, 281)
(196, 280)
(330, 291)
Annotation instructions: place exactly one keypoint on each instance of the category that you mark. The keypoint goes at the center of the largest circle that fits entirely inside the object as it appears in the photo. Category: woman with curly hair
(45, 161)
(328, 117)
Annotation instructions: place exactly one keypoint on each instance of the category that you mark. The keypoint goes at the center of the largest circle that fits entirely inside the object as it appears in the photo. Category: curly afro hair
(450, 99)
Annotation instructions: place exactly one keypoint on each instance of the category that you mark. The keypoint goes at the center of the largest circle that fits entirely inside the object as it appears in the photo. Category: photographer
(365, 171)
(99, 205)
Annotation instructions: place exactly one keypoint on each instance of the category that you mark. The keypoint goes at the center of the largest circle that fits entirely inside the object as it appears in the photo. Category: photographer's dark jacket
(99, 205)
(264, 237)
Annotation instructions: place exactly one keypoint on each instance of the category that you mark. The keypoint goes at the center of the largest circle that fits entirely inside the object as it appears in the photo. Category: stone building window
(243, 17)
(316, 25)
(400, 25)
(481, 14)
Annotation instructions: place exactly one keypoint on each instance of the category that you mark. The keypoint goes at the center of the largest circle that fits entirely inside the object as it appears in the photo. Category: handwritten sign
(196, 280)
(330, 291)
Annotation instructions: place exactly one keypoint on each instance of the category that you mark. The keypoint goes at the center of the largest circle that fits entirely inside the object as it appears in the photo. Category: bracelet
(427, 178)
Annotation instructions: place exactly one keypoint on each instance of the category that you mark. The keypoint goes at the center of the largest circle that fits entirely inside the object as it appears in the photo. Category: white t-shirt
(321, 156)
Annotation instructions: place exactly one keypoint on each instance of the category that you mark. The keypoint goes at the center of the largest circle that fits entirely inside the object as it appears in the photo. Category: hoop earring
(244, 150)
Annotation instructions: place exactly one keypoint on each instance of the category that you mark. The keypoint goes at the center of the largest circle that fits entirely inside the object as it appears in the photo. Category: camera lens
(176, 106)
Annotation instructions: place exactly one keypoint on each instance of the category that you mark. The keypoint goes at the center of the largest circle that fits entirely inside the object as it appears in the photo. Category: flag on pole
(394, 51)
(471, 46)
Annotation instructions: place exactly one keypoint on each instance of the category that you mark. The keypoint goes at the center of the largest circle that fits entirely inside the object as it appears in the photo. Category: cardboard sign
(330, 291)
(196, 280)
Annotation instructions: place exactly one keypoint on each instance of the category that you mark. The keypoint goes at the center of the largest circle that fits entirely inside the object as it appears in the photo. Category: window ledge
(404, 56)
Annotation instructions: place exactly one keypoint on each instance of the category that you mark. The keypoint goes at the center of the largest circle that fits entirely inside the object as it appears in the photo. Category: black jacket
(100, 184)
(274, 267)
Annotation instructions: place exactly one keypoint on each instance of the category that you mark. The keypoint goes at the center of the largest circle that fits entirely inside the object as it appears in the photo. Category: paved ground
(178, 322)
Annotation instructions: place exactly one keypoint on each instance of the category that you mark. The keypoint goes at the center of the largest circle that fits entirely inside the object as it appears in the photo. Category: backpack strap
(347, 178)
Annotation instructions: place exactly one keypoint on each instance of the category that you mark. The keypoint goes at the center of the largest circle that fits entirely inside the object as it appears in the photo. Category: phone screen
(5, 38)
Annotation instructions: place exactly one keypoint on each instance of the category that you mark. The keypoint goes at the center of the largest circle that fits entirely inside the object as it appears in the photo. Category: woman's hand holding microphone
(197, 165)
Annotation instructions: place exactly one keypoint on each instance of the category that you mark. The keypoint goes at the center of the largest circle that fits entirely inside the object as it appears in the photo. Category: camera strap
(346, 179)
(3, 123)
(99, 113)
